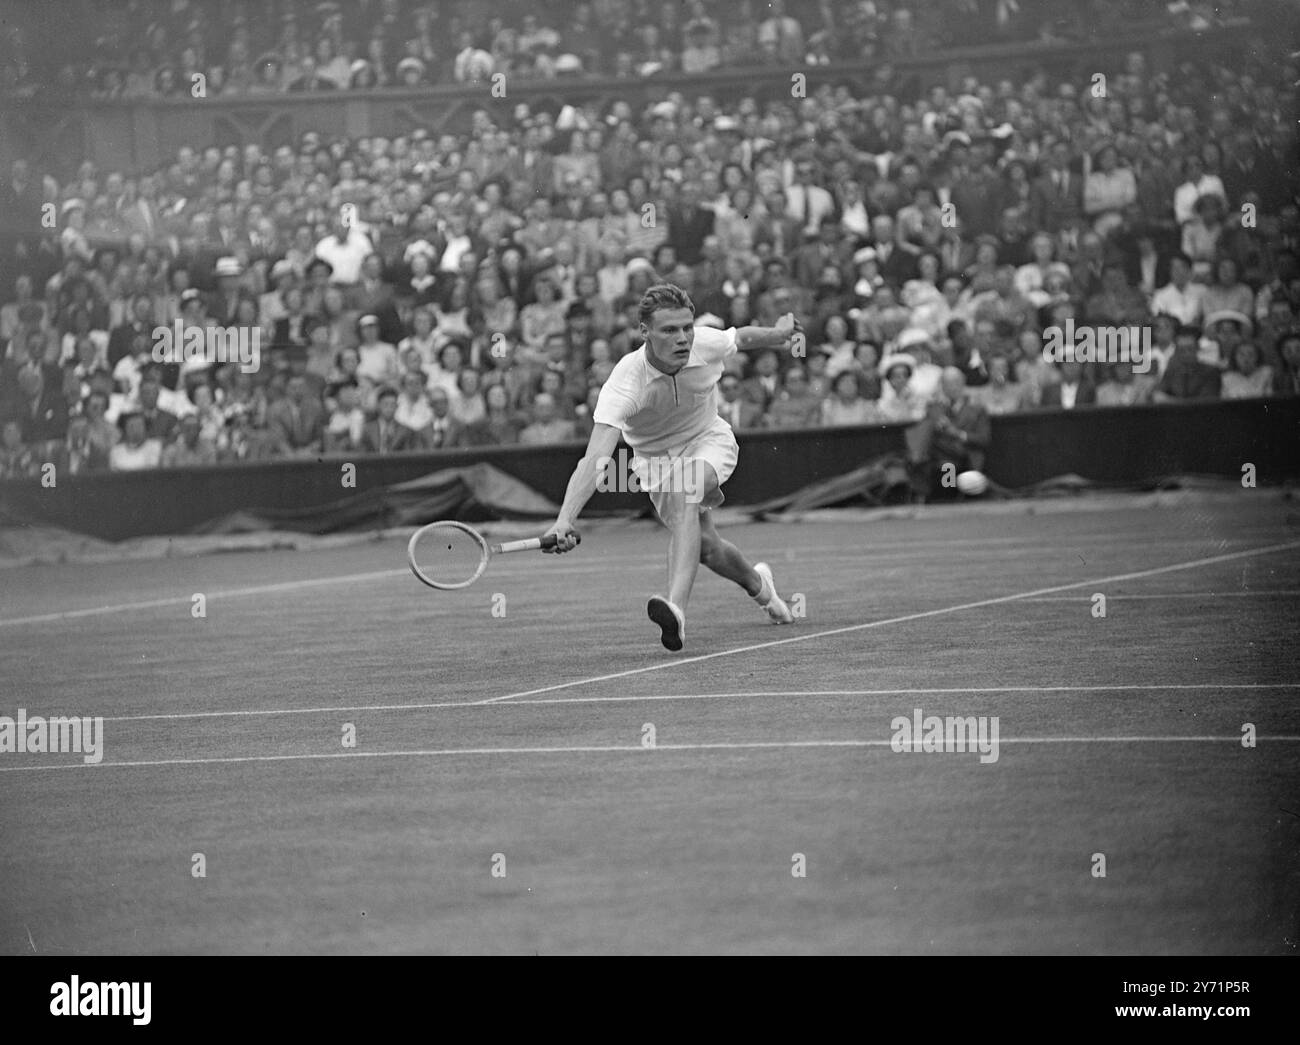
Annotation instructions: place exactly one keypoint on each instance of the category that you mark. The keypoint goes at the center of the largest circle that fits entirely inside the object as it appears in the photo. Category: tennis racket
(449, 555)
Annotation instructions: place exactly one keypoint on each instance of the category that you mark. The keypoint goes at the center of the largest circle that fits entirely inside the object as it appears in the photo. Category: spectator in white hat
(72, 236)
(898, 400)
(379, 363)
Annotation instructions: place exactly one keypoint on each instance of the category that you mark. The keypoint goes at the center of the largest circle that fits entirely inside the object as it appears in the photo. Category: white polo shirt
(346, 256)
(659, 412)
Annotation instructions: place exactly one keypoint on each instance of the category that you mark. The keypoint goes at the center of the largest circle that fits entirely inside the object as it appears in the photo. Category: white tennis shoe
(671, 621)
(773, 605)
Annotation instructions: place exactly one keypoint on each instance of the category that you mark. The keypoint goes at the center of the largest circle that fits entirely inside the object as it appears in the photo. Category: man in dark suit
(39, 407)
(294, 328)
(296, 421)
(827, 249)
(1072, 391)
(1056, 195)
(689, 224)
(1146, 264)
(158, 423)
(897, 264)
(20, 222)
(955, 431)
(384, 435)
(762, 386)
(1185, 376)
(733, 408)
(444, 430)
(978, 191)
(711, 272)
(784, 233)
(121, 339)
(298, 360)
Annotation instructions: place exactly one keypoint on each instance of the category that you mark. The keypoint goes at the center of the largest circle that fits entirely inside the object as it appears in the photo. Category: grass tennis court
(522, 735)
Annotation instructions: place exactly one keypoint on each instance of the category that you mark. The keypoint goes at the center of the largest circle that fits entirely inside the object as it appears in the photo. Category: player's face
(669, 337)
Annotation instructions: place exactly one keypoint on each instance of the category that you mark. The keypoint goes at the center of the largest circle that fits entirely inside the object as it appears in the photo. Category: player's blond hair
(663, 295)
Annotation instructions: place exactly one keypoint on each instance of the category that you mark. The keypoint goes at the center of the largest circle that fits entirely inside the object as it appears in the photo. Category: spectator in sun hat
(866, 264)
(225, 299)
(411, 72)
(1224, 330)
(1227, 292)
(72, 235)
(925, 376)
(362, 75)
(898, 400)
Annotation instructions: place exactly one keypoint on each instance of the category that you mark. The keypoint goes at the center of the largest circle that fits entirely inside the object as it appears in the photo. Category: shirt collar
(655, 372)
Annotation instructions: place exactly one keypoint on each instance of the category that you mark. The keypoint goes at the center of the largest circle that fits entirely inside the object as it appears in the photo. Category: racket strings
(447, 555)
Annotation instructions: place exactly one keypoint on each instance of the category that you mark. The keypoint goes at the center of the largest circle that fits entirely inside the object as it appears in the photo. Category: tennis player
(662, 400)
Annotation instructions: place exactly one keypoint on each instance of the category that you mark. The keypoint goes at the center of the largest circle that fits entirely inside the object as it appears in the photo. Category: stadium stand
(444, 289)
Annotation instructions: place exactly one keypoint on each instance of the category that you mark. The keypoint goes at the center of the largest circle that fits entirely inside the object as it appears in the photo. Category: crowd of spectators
(254, 47)
(459, 291)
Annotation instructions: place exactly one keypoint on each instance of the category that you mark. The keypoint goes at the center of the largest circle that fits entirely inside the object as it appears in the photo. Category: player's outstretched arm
(781, 336)
(582, 484)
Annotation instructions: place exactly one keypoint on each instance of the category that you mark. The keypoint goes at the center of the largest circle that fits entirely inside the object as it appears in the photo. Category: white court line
(183, 600)
(740, 745)
(619, 699)
(1262, 593)
(580, 567)
(1155, 571)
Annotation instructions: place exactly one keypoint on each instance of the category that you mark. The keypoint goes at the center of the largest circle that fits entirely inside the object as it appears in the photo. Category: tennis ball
(972, 484)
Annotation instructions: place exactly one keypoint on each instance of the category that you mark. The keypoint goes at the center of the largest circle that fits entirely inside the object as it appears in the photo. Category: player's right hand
(568, 538)
(788, 327)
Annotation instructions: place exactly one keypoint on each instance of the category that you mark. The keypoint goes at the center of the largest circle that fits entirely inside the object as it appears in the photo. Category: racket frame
(486, 551)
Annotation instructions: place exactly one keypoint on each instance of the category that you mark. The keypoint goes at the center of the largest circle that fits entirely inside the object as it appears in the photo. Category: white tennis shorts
(678, 468)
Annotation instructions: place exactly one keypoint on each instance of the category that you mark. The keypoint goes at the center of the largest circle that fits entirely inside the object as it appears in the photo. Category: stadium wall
(1110, 445)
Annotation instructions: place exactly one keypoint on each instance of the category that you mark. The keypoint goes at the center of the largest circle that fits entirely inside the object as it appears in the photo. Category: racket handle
(551, 539)
(533, 543)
